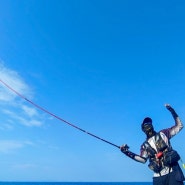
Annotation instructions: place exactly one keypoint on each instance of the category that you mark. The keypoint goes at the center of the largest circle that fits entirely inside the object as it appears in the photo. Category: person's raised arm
(178, 124)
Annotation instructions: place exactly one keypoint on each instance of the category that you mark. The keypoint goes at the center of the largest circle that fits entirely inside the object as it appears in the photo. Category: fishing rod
(55, 116)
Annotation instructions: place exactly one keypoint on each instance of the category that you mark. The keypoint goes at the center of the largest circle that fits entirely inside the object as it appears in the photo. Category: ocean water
(75, 183)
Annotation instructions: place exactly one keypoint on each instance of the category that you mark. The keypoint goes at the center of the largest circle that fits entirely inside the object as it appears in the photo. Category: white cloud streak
(24, 166)
(13, 79)
(7, 146)
(29, 111)
(11, 105)
(22, 120)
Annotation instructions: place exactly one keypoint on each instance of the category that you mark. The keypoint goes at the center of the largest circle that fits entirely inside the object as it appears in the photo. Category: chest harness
(161, 157)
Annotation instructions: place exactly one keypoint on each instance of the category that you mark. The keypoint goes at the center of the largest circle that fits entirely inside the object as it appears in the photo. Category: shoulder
(165, 133)
(164, 136)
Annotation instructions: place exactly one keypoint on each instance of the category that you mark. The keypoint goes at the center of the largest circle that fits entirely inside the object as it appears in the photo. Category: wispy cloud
(22, 119)
(11, 105)
(24, 166)
(7, 146)
(6, 126)
(29, 111)
(14, 80)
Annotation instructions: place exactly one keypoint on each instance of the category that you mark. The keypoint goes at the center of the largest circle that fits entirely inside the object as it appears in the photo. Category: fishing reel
(124, 148)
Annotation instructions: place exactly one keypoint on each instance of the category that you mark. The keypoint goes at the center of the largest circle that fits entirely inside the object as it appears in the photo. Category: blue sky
(100, 65)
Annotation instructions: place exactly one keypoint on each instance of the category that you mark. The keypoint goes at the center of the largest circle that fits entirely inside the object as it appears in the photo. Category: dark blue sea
(75, 183)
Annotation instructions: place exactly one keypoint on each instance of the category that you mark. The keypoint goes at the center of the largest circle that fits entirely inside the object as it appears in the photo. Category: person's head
(147, 127)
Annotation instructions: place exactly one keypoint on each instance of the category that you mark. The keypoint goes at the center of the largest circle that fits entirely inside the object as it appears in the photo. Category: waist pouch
(155, 166)
(171, 158)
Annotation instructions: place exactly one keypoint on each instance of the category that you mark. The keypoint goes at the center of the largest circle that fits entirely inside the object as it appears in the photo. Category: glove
(174, 114)
(168, 107)
(124, 148)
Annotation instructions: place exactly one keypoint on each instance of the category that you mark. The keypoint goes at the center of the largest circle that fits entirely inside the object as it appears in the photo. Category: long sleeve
(133, 156)
(177, 127)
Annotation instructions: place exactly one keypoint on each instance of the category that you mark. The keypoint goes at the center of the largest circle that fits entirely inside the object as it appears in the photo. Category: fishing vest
(161, 155)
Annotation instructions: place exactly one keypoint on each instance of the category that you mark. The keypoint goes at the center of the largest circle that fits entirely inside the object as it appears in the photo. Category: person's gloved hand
(174, 114)
(168, 106)
(124, 148)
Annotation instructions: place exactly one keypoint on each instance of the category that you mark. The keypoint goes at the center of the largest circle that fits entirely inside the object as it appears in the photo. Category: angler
(163, 160)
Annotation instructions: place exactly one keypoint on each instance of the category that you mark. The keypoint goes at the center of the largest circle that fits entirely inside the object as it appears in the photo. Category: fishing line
(57, 117)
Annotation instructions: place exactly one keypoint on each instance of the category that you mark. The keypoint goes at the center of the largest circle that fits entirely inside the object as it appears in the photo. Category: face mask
(148, 129)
